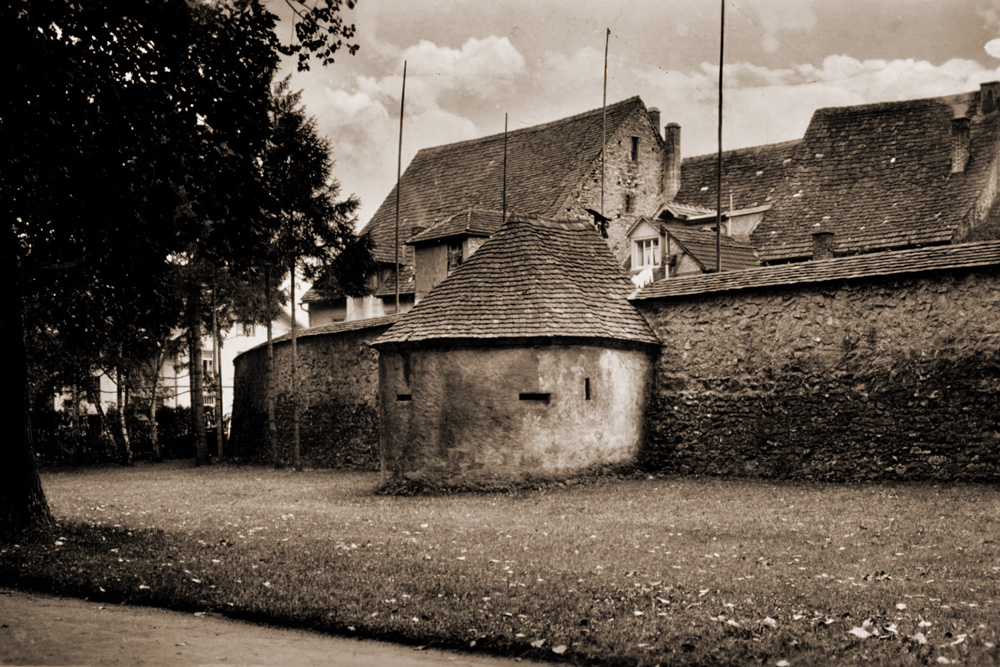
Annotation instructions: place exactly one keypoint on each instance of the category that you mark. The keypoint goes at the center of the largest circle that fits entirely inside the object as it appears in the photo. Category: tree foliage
(133, 133)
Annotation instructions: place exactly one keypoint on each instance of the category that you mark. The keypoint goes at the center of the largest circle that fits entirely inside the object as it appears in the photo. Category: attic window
(645, 253)
(454, 256)
(634, 150)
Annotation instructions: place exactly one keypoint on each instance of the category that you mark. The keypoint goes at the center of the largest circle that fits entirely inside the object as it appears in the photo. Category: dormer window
(645, 253)
(634, 150)
(454, 256)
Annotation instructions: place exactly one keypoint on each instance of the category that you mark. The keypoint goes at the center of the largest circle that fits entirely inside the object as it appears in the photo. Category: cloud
(993, 47)
(360, 114)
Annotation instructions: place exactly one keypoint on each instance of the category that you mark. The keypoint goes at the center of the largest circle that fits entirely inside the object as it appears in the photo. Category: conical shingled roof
(536, 278)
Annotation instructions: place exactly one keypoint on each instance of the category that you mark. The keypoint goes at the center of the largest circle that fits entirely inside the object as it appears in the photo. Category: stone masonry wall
(338, 380)
(640, 179)
(892, 378)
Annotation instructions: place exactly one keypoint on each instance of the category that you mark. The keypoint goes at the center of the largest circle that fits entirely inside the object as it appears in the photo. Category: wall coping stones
(332, 328)
(966, 255)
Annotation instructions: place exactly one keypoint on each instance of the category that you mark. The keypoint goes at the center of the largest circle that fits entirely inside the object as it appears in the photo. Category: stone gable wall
(891, 378)
(641, 179)
(338, 380)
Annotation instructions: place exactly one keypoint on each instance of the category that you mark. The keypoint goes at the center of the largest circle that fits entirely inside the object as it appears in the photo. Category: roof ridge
(895, 105)
(532, 128)
(749, 149)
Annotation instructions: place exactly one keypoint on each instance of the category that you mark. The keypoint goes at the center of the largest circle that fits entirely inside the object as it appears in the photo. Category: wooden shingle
(535, 278)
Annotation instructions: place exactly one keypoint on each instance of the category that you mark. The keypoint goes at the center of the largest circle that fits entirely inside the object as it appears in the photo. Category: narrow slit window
(586, 388)
(534, 396)
(404, 397)
(634, 150)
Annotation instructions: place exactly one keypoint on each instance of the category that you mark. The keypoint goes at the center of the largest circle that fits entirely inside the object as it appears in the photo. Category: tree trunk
(272, 425)
(22, 501)
(195, 375)
(217, 367)
(296, 452)
(126, 451)
(154, 435)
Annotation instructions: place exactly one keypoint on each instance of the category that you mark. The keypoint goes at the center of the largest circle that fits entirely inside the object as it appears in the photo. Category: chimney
(961, 138)
(822, 245)
(988, 94)
(670, 181)
(654, 118)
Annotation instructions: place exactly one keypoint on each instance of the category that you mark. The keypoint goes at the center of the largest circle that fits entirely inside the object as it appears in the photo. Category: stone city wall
(888, 378)
(338, 382)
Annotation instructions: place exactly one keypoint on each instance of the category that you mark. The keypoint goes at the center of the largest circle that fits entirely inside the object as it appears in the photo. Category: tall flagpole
(399, 172)
(718, 183)
(604, 114)
(503, 217)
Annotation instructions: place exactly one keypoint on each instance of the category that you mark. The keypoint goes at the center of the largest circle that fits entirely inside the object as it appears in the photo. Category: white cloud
(993, 47)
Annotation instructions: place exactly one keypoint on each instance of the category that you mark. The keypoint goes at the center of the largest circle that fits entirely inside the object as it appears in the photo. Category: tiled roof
(879, 176)
(472, 222)
(686, 211)
(751, 175)
(545, 165)
(326, 288)
(407, 282)
(334, 328)
(534, 278)
(700, 244)
(966, 255)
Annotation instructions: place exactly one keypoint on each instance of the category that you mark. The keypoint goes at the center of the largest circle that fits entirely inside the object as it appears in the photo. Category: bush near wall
(874, 379)
(338, 381)
(57, 441)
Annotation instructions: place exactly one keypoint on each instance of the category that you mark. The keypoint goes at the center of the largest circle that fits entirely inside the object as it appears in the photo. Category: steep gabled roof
(751, 175)
(700, 244)
(535, 278)
(919, 260)
(879, 176)
(545, 165)
(472, 222)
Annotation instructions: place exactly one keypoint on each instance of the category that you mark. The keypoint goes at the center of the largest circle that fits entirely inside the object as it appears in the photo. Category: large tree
(132, 132)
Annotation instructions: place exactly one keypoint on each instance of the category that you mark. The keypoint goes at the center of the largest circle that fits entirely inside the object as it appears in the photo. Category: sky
(471, 61)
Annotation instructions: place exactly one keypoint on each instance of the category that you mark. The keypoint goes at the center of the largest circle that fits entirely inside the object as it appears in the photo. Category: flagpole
(399, 172)
(503, 216)
(718, 184)
(604, 114)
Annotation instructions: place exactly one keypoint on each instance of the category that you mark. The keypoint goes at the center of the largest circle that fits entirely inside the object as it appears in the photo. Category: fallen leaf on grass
(538, 643)
(860, 633)
(770, 622)
(560, 649)
(919, 638)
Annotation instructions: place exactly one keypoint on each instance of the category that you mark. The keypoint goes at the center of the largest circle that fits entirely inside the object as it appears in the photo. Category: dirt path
(44, 630)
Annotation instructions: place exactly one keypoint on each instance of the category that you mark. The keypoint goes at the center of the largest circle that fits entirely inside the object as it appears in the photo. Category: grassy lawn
(645, 571)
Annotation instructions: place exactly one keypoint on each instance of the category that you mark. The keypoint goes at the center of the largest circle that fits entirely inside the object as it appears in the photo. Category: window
(629, 204)
(645, 252)
(404, 397)
(454, 256)
(586, 389)
(249, 329)
(634, 150)
(534, 396)
(206, 364)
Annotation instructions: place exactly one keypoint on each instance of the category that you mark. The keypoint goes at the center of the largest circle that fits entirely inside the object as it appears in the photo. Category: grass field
(640, 571)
